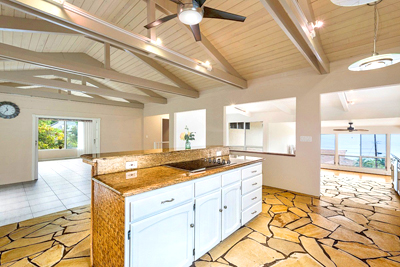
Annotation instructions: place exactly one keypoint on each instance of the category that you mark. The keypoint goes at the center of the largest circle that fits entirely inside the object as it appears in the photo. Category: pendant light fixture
(375, 61)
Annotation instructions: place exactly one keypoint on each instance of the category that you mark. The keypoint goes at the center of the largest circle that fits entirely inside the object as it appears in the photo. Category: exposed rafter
(72, 64)
(17, 24)
(15, 76)
(289, 17)
(283, 107)
(168, 8)
(43, 94)
(76, 19)
(343, 101)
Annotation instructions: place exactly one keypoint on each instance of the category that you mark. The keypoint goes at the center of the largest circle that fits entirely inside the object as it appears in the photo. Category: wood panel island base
(168, 216)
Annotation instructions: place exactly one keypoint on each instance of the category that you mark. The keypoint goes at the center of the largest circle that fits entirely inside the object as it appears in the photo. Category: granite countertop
(95, 156)
(148, 179)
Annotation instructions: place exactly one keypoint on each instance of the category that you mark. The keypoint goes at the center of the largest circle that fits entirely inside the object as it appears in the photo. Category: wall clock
(8, 110)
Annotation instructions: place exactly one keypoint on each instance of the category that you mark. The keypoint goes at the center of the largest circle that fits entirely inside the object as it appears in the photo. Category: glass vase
(187, 145)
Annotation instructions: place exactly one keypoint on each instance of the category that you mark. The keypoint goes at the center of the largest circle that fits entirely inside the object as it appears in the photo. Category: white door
(231, 209)
(35, 148)
(207, 223)
(164, 240)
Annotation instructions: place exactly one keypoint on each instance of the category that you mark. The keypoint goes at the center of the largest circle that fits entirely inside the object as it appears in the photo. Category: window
(328, 147)
(247, 136)
(366, 150)
(57, 134)
(395, 145)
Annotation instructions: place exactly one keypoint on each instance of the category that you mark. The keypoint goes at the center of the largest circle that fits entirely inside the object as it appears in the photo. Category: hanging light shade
(375, 61)
(352, 2)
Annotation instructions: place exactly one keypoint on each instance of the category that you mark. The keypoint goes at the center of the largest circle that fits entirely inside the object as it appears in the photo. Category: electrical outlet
(219, 153)
(130, 175)
(131, 165)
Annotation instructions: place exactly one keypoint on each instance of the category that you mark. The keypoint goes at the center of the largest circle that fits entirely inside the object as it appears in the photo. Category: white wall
(49, 154)
(302, 172)
(196, 122)
(281, 136)
(121, 130)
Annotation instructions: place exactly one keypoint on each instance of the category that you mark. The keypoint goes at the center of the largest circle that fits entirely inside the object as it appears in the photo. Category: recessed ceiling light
(353, 2)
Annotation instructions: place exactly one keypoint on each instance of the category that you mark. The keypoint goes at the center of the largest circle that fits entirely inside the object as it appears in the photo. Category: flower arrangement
(188, 136)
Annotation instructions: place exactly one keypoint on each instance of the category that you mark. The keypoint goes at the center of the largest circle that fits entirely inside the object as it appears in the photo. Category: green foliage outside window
(50, 137)
(72, 134)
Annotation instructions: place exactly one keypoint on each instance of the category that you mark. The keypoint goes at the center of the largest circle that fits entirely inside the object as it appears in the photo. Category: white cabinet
(231, 209)
(251, 192)
(207, 223)
(164, 240)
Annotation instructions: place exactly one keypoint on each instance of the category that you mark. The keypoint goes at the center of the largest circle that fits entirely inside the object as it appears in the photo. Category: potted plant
(188, 136)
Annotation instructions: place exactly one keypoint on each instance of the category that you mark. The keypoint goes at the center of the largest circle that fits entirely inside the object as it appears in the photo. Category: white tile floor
(62, 184)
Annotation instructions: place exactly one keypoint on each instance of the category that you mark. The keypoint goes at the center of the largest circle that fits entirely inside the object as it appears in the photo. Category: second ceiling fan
(192, 14)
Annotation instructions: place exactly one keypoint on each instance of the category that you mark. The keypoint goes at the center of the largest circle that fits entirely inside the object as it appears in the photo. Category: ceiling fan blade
(177, 2)
(218, 14)
(160, 21)
(196, 32)
(341, 130)
(200, 3)
(361, 130)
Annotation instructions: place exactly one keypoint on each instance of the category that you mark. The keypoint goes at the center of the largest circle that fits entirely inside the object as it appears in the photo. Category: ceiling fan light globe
(352, 2)
(190, 15)
(375, 62)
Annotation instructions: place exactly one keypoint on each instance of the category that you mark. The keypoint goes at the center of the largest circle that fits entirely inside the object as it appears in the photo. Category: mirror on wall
(268, 126)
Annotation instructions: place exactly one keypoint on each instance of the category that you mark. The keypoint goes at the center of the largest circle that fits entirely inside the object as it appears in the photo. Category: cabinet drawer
(251, 184)
(251, 171)
(207, 185)
(251, 198)
(251, 212)
(230, 178)
(159, 202)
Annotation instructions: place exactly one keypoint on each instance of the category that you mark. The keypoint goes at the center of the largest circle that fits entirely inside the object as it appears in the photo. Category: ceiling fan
(192, 14)
(350, 129)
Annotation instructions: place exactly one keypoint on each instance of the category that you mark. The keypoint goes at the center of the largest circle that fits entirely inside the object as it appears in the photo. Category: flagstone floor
(355, 223)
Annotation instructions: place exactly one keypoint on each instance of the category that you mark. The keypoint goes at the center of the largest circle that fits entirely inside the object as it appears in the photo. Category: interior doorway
(165, 132)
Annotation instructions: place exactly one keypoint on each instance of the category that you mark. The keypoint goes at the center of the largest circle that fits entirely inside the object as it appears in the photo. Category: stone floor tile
(388, 211)
(283, 219)
(225, 245)
(356, 217)
(286, 234)
(22, 263)
(331, 200)
(4, 241)
(258, 237)
(46, 218)
(78, 228)
(323, 211)
(353, 204)
(311, 230)
(50, 256)
(384, 241)
(303, 199)
(343, 259)
(272, 201)
(298, 212)
(301, 206)
(298, 223)
(312, 247)
(347, 223)
(79, 262)
(19, 253)
(344, 234)
(327, 241)
(6, 229)
(78, 217)
(46, 230)
(72, 239)
(250, 253)
(357, 210)
(279, 208)
(298, 260)
(206, 257)
(288, 195)
(22, 232)
(285, 201)
(318, 202)
(23, 242)
(361, 251)
(385, 227)
(284, 246)
(260, 224)
(396, 258)
(209, 264)
(321, 221)
(385, 218)
(82, 249)
(382, 263)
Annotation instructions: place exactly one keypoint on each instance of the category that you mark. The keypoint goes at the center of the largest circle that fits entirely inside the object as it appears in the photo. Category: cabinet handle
(165, 201)
(254, 198)
(254, 184)
(225, 207)
(254, 171)
(254, 212)
(192, 225)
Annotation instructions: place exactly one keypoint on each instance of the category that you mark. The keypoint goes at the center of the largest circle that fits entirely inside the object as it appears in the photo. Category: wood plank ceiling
(256, 48)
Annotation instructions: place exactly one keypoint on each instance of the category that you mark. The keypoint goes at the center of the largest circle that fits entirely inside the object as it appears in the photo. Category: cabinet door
(164, 240)
(231, 206)
(207, 223)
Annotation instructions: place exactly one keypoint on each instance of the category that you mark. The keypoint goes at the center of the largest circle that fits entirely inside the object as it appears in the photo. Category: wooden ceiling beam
(76, 19)
(17, 24)
(15, 76)
(75, 64)
(289, 17)
(38, 93)
(168, 8)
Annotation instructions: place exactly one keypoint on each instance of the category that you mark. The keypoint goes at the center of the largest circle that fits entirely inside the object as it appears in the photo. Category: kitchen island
(172, 207)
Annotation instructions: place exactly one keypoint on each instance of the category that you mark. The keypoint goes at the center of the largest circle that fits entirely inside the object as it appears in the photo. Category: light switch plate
(219, 153)
(306, 139)
(131, 165)
(130, 175)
